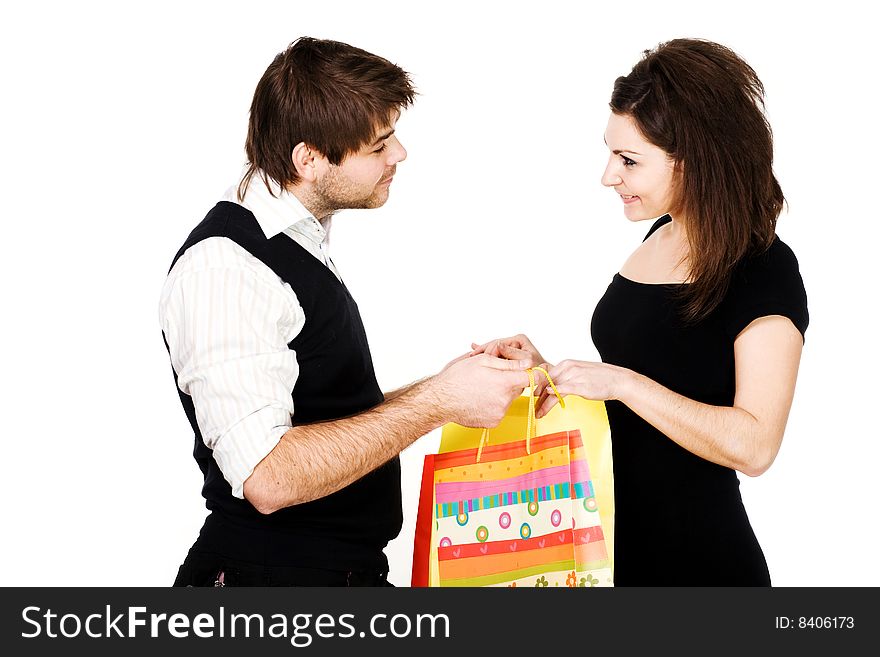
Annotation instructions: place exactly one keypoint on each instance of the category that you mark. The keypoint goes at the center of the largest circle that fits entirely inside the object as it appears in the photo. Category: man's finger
(520, 378)
(512, 365)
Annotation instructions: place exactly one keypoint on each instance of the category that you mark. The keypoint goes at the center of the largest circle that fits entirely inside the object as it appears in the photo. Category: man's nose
(396, 153)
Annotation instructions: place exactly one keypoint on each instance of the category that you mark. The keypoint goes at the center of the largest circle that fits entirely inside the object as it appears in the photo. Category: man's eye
(381, 148)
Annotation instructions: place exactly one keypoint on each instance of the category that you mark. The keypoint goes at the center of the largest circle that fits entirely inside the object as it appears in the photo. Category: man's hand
(314, 460)
(476, 391)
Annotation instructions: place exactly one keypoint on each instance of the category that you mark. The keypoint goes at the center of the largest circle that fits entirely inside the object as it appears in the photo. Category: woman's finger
(549, 402)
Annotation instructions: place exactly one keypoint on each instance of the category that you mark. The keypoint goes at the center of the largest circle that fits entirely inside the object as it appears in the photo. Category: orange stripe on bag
(500, 563)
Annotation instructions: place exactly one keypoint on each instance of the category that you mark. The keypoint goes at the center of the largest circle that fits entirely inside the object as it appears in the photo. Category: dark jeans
(205, 569)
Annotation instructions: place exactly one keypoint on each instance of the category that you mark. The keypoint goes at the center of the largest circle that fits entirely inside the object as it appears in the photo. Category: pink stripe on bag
(580, 470)
(467, 490)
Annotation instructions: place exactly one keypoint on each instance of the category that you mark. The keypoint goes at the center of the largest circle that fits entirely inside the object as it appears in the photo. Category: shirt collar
(278, 211)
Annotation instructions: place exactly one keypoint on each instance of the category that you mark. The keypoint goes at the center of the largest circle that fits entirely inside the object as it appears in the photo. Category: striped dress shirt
(228, 319)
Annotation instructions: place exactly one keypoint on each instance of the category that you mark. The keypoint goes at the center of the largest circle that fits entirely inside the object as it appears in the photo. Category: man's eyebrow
(383, 137)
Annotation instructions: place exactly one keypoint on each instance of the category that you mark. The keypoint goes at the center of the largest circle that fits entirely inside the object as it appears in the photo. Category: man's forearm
(399, 391)
(313, 461)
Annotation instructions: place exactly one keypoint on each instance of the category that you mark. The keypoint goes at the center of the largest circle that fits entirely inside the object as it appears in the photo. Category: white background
(122, 126)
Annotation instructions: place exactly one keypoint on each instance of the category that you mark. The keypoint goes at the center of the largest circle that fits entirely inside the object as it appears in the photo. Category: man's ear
(307, 161)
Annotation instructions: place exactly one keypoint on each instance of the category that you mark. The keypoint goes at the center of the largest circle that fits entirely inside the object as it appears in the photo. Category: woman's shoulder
(777, 261)
(767, 283)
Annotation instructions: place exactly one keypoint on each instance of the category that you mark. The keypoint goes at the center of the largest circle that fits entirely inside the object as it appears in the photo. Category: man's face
(363, 179)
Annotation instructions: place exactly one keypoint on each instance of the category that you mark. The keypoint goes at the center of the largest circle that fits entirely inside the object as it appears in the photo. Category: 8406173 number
(826, 622)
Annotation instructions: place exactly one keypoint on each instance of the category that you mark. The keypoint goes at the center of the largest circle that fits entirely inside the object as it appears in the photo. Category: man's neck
(313, 204)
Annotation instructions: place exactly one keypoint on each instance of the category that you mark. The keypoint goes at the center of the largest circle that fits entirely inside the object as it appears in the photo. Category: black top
(348, 529)
(679, 519)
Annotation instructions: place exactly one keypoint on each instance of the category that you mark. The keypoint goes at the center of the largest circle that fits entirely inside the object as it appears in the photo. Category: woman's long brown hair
(703, 105)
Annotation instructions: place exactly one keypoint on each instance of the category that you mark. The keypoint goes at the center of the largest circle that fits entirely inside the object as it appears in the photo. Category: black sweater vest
(348, 529)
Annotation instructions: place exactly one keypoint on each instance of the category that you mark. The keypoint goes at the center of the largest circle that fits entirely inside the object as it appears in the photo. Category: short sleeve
(763, 285)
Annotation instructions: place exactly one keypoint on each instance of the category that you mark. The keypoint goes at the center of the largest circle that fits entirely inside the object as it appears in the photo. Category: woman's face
(640, 172)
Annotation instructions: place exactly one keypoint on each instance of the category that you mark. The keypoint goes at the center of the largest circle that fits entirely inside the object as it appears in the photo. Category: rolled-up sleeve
(228, 319)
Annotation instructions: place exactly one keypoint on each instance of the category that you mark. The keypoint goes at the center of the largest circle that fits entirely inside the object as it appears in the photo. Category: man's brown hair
(327, 94)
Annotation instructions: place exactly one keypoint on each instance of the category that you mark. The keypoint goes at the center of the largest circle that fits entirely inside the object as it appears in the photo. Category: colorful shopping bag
(529, 504)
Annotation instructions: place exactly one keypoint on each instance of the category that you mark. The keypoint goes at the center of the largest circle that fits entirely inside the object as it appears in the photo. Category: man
(297, 444)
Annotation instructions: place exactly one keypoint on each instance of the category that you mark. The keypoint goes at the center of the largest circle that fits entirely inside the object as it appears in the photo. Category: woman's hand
(518, 347)
(598, 381)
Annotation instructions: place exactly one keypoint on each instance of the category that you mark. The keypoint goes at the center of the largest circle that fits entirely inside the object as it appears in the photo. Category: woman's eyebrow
(619, 151)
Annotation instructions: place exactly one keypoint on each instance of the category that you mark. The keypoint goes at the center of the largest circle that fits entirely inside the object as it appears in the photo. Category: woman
(701, 331)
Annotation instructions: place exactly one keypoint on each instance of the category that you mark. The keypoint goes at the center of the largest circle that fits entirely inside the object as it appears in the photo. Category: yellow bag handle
(532, 421)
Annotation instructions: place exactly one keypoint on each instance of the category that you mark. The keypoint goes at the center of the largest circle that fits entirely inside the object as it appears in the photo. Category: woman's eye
(628, 162)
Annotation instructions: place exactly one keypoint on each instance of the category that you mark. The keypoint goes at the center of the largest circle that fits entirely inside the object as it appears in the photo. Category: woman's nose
(611, 177)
